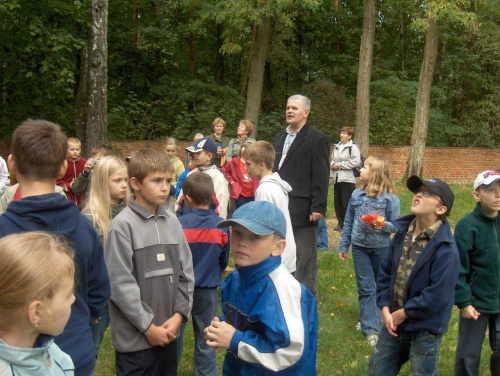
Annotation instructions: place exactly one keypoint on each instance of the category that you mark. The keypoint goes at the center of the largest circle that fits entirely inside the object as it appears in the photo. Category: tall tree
(419, 134)
(96, 129)
(257, 69)
(364, 75)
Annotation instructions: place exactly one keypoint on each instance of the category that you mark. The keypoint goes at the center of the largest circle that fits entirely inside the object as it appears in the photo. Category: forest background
(173, 66)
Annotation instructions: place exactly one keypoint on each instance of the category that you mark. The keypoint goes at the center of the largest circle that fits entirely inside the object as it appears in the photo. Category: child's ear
(12, 164)
(189, 200)
(279, 247)
(62, 169)
(475, 194)
(134, 183)
(35, 312)
(441, 210)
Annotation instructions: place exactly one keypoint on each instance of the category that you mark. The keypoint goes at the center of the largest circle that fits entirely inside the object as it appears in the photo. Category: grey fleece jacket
(151, 272)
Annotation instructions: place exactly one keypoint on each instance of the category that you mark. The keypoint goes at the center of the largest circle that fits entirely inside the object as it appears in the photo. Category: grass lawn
(341, 349)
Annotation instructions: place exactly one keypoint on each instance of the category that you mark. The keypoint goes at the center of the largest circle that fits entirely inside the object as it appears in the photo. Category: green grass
(341, 349)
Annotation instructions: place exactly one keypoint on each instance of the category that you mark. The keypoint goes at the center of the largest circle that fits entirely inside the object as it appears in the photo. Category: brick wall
(457, 165)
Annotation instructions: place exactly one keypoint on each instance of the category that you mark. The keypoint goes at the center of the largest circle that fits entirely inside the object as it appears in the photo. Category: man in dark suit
(302, 159)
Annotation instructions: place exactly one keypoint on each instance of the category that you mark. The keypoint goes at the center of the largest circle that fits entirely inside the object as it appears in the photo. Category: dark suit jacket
(307, 169)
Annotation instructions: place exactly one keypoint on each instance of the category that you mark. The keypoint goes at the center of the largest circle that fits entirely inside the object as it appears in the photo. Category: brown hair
(39, 149)
(32, 267)
(380, 180)
(144, 161)
(349, 130)
(260, 151)
(219, 120)
(103, 149)
(248, 125)
(199, 187)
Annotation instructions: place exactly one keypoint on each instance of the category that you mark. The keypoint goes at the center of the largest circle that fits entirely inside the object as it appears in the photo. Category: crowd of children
(145, 269)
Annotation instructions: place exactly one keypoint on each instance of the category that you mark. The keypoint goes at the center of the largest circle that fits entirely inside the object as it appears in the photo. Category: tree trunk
(256, 73)
(192, 49)
(219, 58)
(96, 132)
(364, 75)
(249, 61)
(419, 134)
(82, 95)
(340, 43)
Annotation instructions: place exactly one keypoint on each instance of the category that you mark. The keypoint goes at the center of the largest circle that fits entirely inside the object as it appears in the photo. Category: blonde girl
(37, 276)
(171, 147)
(369, 242)
(109, 194)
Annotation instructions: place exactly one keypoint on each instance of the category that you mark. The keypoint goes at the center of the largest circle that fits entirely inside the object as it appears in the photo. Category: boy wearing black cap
(416, 282)
(478, 288)
(270, 322)
(203, 151)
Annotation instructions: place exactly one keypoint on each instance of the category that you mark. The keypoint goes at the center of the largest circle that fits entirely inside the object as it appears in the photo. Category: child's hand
(469, 313)
(88, 166)
(157, 336)
(388, 321)
(71, 184)
(172, 325)
(219, 334)
(343, 256)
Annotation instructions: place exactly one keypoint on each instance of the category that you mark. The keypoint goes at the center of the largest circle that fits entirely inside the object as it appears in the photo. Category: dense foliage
(176, 65)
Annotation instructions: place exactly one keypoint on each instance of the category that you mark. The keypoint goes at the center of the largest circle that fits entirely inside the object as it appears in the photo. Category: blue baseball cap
(203, 144)
(259, 217)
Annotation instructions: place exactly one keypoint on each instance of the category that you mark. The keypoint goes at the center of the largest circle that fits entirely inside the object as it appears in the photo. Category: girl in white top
(36, 289)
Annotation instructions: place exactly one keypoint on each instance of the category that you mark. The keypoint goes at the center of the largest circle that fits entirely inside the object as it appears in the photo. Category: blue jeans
(470, 341)
(419, 346)
(99, 329)
(366, 264)
(322, 235)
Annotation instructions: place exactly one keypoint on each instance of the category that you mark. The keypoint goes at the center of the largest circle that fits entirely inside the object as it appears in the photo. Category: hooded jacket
(477, 237)
(430, 291)
(54, 213)
(75, 168)
(275, 190)
(46, 359)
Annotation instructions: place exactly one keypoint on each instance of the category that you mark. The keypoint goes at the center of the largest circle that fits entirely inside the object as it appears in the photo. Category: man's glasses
(428, 194)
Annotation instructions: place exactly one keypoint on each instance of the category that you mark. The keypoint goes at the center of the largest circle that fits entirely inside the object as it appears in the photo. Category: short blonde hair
(32, 267)
(219, 120)
(74, 141)
(144, 161)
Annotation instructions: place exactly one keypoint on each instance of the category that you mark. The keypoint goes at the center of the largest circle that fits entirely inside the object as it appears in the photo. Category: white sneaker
(358, 326)
(372, 339)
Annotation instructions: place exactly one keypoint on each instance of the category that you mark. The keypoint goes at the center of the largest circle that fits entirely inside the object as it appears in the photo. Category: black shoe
(338, 228)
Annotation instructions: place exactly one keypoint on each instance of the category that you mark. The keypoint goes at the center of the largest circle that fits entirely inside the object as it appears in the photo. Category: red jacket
(232, 172)
(75, 168)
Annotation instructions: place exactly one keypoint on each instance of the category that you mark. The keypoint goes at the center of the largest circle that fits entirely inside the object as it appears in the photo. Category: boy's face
(250, 249)
(254, 169)
(202, 158)
(489, 198)
(98, 156)
(425, 206)
(74, 151)
(153, 190)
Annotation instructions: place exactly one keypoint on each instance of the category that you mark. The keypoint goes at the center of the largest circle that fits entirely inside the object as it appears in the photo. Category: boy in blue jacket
(477, 293)
(416, 283)
(210, 249)
(270, 321)
(38, 158)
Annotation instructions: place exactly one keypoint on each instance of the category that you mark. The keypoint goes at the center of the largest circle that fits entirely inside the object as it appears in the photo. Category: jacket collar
(478, 212)
(251, 275)
(161, 210)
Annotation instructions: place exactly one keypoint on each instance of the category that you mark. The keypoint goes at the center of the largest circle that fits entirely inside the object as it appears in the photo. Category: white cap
(486, 178)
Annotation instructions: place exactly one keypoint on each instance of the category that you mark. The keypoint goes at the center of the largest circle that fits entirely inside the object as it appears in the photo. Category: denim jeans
(322, 235)
(420, 347)
(366, 264)
(470, 341)
(99, 329)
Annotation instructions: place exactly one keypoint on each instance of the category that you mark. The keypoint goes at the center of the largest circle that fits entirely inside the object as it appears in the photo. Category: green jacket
(477, 238)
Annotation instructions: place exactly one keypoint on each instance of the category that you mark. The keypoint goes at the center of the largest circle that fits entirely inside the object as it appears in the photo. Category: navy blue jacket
(430, 290)
(209, 246)
(55, 214)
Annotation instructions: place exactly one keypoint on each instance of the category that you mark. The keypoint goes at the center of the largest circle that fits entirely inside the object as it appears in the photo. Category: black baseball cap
(436, 186)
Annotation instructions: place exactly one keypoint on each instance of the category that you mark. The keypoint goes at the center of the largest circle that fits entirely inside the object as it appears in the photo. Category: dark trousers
(155, 361)
(242, 200)
(306, 238)
(341, 195)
